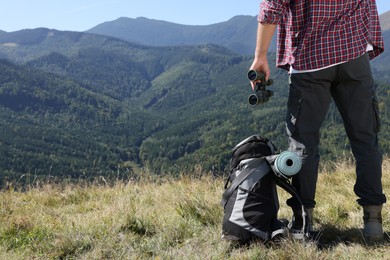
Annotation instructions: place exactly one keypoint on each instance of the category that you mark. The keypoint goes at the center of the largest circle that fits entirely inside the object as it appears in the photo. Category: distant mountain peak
(151, 32)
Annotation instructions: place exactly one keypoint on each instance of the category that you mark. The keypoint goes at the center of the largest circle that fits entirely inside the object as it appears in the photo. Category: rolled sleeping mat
(287, 164)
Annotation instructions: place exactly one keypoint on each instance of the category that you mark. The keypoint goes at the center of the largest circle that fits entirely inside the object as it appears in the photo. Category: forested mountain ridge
(53, 125)
(82, 105)
(64, 94)
(237, 34)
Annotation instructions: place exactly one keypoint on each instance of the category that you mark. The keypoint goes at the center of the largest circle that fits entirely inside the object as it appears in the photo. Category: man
(326, 47)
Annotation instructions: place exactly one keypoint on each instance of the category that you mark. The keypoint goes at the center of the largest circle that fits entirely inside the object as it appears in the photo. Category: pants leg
(308, 103)
(351, 86)
(355, 98)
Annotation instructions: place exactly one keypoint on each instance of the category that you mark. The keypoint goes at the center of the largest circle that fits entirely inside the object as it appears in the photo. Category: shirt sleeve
(272, 11)
(376, 38)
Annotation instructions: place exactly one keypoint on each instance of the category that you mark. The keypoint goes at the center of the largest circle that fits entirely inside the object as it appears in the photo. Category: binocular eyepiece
(261, 94)
(254, 76)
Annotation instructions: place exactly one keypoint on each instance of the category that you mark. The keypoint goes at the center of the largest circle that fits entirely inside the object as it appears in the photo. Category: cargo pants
(351, 86)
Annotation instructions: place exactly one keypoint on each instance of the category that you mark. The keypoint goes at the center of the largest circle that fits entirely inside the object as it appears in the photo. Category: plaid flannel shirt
(314, 34)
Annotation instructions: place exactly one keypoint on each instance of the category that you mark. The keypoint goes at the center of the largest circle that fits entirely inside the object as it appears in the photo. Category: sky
(81, 15)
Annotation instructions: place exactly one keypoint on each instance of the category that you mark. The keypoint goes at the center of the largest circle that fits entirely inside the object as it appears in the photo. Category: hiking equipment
(372, 217)
(251, 201)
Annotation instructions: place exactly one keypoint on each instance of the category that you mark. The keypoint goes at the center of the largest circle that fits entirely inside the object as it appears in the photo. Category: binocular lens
(252, 75)
(253, 100)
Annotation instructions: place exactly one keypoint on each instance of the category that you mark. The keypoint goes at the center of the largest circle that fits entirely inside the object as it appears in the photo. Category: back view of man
(326, 47)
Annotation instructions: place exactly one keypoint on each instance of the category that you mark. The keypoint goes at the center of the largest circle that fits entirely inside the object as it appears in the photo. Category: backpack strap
(286, 185)
(255, 164)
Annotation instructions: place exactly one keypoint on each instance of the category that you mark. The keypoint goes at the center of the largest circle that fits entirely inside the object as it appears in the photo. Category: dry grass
(171, 219)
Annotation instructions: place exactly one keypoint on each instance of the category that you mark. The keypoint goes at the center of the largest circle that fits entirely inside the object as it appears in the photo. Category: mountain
(97, 105)
(385, 21)
(380, 64)
(54, 125)
(82, 105)
(237, 34)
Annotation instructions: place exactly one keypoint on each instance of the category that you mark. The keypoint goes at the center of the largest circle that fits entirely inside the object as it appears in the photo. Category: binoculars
(262, 94)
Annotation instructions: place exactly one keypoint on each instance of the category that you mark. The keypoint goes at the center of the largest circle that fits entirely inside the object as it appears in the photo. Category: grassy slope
(170, 219)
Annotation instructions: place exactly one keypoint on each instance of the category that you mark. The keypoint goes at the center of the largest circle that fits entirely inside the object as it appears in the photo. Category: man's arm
(265, 33)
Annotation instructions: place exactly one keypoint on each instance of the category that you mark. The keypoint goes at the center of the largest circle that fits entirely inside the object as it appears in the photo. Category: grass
(172, 219)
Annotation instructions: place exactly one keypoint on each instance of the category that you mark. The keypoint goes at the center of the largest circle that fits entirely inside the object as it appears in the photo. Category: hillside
(385, 21)
(78, 105)
(145, 218)
(379, 64)
(55, 126)
(237, 34)
(142, 88)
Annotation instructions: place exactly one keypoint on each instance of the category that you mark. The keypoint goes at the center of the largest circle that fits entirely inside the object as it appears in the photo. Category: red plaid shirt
(314, 34)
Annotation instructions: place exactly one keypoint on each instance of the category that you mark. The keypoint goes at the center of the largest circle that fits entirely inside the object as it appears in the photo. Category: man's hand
(260, 65)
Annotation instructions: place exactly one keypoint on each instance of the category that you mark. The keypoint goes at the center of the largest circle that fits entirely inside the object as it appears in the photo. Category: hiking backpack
(251, 201)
